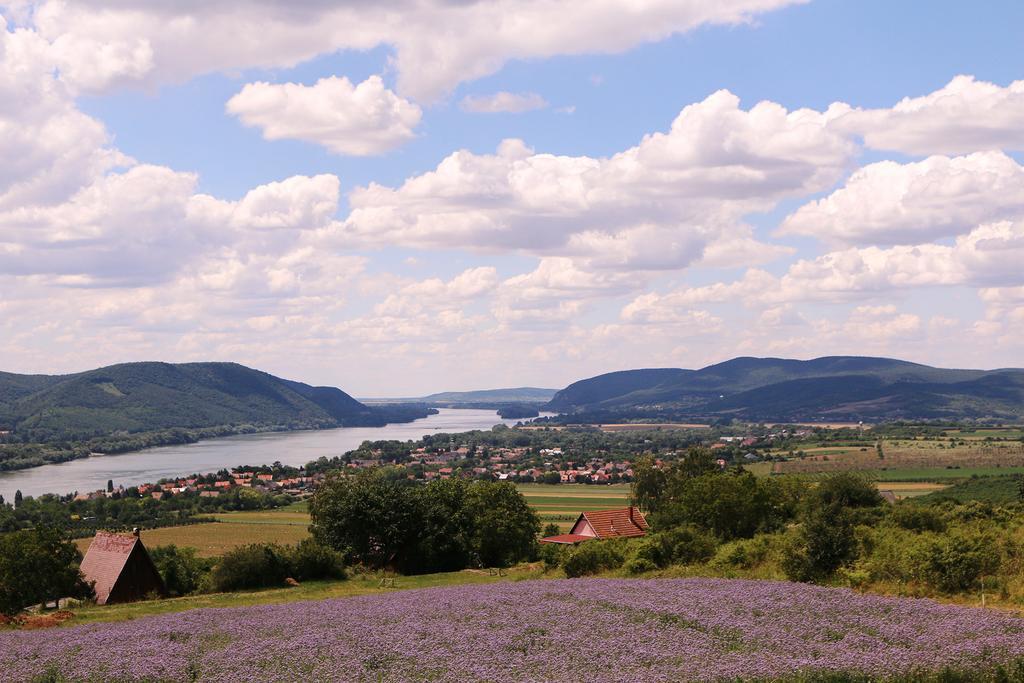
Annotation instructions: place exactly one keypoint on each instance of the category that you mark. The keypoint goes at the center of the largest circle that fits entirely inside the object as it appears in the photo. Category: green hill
(835, 388)
(142, 397)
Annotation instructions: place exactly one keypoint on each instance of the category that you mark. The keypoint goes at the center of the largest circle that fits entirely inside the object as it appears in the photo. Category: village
(552, 465)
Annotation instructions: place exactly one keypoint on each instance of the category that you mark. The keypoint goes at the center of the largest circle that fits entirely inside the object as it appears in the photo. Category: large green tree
(380, 518)
(505, 527)
(369, 517)
(36, 566)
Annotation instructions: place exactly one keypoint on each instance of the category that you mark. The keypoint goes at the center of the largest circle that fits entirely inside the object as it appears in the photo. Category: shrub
(826, 542)
(182, 571)
(956, 561)
(551, 529)
(260, 565)
(684, 544)
(743, 553)
(552, 554)
(847, 489)
(640, 565)
(311, 561)
(916, 518)
(591, 557)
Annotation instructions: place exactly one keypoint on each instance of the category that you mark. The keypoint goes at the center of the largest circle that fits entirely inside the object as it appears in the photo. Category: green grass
(359, 584)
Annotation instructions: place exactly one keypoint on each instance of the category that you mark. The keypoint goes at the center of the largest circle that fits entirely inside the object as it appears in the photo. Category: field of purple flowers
(572, 630)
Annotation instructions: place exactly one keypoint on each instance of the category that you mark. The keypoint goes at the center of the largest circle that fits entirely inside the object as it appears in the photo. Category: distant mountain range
(141, 397)
(516, 395)
(835, 388)
(482, 398)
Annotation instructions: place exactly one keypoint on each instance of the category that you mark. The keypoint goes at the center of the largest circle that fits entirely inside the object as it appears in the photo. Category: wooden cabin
(120, 569)
(603, 524)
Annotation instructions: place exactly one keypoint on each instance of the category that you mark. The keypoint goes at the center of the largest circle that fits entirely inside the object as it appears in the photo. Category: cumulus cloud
(503, 102)
(965, 116)
(49, 148)
(680, 191)
(988, 257)
(892, 203)
(357, 120)
(438, 43)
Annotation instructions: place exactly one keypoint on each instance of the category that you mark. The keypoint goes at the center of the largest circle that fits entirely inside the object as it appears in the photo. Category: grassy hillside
(832, 388)
(136, 397)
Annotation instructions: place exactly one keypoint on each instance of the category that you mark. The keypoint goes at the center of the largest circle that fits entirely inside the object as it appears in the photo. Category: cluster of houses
(211, 486)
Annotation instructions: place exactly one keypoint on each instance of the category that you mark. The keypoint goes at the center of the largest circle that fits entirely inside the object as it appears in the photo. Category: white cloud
(892, 203)
(965, 116)
(989, 256)
(438, 43)
(49, 148)
(360, 120)
(507, 102)
(679, 191)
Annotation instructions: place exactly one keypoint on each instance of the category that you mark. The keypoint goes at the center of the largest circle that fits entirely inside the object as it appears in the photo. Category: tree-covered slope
(611, 386)
(136, 397)
(831, 388)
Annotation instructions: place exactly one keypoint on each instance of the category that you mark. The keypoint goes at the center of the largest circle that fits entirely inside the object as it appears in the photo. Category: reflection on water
(290, 448)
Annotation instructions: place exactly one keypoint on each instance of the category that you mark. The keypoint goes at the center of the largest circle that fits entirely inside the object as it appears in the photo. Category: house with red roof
(120, 569)
(603, 524)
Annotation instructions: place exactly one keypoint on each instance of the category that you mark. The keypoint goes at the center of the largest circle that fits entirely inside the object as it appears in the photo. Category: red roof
(568, 539)
(621, 523)
(105, 559)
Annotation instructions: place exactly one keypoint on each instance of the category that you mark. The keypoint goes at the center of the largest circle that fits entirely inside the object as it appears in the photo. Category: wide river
(290, 448)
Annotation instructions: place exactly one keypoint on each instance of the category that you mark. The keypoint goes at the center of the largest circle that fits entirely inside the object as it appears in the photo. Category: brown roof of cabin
(621, 523)
(105, 560)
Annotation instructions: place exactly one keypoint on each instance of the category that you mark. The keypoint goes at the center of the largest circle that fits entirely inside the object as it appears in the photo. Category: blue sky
(150, 219)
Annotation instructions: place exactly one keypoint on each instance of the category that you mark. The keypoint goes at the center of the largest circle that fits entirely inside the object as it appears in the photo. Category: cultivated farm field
(924, 459)
(675, 630)
(563, 503)
(216, 538)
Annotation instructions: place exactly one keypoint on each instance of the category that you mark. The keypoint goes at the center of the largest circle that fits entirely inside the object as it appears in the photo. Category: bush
(182, 571)
(958, 560)
(916, 518)
(684, 544)
(743, 553)
(552, 554)
(591, 557)
(311, 561)
(640, 565)
(260, 565)
(825, 543)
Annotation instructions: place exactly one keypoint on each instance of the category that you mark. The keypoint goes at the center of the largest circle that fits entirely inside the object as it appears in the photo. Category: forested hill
(835, 388)
(144, 397)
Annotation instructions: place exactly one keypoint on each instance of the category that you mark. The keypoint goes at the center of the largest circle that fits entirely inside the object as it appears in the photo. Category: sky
(407, 196)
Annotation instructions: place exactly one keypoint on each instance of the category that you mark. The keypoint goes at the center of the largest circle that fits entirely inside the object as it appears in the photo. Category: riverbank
(210, 455)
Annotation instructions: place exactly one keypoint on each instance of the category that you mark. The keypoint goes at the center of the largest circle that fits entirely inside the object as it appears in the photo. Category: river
(290, 448)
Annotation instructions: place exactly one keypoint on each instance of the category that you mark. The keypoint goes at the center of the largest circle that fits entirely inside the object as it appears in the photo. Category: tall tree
(36, 566)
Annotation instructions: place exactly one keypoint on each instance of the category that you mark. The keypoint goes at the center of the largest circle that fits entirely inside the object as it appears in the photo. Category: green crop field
(563, 503)
(216, 538)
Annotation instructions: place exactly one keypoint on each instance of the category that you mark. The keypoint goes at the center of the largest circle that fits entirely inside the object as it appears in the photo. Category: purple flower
(574, 630)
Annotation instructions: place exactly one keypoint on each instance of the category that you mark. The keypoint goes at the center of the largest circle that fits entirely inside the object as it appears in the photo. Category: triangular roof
(106, 559)
(626, 522)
